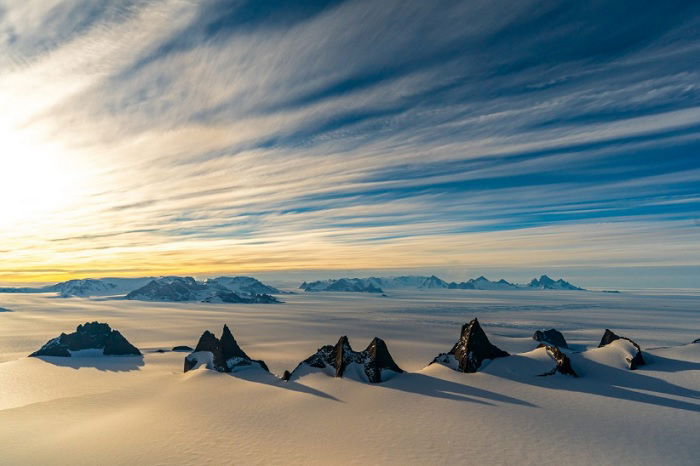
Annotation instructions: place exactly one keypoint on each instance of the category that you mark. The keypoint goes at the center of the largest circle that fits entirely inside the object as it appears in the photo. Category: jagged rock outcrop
(696, 341)
(483, 283)
(181, 348)
(551, 336)
(546, 283)
(563, 363)
(375, 361)
(223, 355)
(472, 348)
(636, 360)
(91, 335)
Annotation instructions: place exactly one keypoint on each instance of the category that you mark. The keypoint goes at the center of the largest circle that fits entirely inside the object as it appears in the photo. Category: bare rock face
(563, 363)
(472, 348)
(375, 361)
(91, 335)
(551, 336)
(696, 341)
(634, 362)
(222, 355)
(181, 348)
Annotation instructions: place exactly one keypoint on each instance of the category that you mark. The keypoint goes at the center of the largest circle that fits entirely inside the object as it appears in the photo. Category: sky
(220, 137)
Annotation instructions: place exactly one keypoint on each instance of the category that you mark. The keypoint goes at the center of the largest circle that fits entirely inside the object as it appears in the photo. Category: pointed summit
(378, 360)
(374, 363)
(221, 355)
(472, 348)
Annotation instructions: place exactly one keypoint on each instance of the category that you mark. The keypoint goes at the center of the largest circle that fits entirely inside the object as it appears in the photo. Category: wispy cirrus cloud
(177, 136)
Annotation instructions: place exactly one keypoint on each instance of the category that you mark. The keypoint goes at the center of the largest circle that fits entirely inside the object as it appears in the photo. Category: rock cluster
(563, 363)
(551, 336)
(636, 360)
(223, 355)
(472, 348)
(375, 360)
(91, 335)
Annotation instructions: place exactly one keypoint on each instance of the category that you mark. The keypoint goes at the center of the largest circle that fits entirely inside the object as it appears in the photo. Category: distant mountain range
(379, 284)
(221, 289)
(217, 290)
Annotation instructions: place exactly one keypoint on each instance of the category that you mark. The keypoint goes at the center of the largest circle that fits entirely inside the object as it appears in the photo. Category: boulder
(563, 363)
(636, 360)
(222, 355)
(551, 336)
(472, 348)
(91, 335)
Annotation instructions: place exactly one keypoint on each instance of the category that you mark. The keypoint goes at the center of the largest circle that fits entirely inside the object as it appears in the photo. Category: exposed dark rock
(181, 348)
(637, 360)
(160, 350)
(546, 283)
(221, 355)
(91, 335)
(551, 336)
(472, 348)
(696, 341)
(563, 365)
(286, 376)
(374, 359)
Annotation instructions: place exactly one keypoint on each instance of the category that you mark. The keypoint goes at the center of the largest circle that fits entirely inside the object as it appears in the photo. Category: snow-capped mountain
(483, 283)
(358, 285)
(375, 284)
(97, 287)
(410, 281)
(546, 283)
(85, 287)
(243, 285)
(182, 289)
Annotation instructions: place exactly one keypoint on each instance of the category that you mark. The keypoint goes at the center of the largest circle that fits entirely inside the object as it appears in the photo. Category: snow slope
(145, 410)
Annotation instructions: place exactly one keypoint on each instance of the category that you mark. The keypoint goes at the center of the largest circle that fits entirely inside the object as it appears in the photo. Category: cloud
(216, 135)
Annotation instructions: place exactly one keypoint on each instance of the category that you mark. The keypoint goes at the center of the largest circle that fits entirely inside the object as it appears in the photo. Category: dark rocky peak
(636, 360)
(181, 348)
(375, 361)
(563, 363)
(91, 335)
(472, 348)
(222, 355)
(378, 359)
(551, 336)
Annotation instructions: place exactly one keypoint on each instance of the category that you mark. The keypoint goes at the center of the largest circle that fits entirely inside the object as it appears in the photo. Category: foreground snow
(118, 410)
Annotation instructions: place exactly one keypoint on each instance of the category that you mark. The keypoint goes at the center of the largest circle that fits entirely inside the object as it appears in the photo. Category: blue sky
(231, 136)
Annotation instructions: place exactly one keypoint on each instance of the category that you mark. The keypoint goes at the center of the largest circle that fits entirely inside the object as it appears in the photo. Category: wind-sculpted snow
(183, 289)
(88, 336)
(374, 364)
(635, 359)
(62, 410)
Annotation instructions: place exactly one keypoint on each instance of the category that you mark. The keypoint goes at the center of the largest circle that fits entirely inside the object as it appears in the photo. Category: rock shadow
(102, 363)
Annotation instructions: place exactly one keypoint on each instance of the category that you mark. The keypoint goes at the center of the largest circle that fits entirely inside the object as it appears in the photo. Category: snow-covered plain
(144, 410)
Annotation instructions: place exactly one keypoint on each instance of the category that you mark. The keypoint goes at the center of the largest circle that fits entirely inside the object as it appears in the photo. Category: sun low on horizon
(198, 138)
